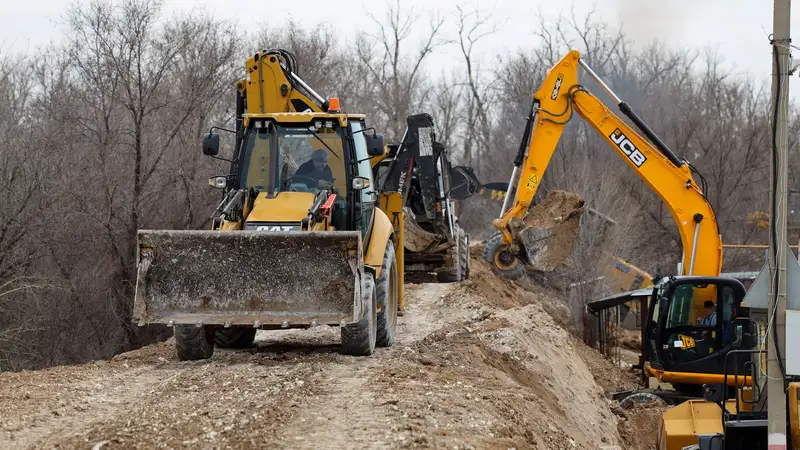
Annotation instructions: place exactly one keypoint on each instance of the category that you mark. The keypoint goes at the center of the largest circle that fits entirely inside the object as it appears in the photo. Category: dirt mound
(478, 364)
(630, 339)
(519, 292)
(639, 426)
(610, 377)
(513, 359)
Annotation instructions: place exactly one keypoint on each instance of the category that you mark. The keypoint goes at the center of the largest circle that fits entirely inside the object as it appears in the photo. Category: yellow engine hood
(285, 207)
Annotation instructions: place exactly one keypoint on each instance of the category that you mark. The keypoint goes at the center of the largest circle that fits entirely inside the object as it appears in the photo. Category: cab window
(681, 306)
(305, 157)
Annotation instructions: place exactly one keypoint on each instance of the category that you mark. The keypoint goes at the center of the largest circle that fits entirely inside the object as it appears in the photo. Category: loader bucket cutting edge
(248, 277)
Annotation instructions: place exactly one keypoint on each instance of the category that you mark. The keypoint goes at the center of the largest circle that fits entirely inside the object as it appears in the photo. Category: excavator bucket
(252, 278)
(550, 230)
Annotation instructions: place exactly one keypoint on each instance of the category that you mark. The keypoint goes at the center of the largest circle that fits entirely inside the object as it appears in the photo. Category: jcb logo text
(628, 148)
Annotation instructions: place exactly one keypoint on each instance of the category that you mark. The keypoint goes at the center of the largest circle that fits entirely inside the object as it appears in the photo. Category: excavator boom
(561, 95)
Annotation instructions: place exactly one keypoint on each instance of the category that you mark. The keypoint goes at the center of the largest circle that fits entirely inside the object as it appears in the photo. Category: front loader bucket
(550, 230)
(252, 278)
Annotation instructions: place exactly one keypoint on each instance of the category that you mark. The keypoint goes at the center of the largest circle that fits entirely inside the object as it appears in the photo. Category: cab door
(364, 208)
(652, 327)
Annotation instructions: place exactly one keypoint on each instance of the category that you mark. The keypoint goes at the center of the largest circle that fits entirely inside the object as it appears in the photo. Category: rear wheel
(193, 342)
(358, 338)
(235, 337)
(504, 262)
(387, 291)
(464, 255)
(454, 273)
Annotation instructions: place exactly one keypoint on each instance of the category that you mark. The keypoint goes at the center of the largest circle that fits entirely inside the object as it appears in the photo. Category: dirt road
(478, 364)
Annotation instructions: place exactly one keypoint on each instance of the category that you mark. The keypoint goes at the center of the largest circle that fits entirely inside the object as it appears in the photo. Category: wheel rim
(505, 260)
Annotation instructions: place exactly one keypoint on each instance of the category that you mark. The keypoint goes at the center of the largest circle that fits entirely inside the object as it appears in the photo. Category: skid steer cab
(297, 241)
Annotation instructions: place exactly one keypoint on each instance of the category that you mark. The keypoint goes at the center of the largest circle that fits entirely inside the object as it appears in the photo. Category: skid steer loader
(419, 170)
(298, 239)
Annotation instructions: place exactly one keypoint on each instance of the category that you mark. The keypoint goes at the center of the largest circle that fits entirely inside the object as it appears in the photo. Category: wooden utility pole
(776, 394)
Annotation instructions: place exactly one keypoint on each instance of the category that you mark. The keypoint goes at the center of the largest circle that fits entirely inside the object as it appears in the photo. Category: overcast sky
(736, 29)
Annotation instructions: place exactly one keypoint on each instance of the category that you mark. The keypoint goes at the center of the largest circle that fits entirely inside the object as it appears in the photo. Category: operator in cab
(317, 169)
(711, 315)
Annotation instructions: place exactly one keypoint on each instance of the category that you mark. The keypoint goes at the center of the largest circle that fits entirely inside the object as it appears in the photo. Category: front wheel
(504, 261)
(387, 292)
(193, 342)
(358, 338)
(464, 254)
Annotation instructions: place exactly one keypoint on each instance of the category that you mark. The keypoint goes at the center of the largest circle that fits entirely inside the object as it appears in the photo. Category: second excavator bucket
(253, 278)
(548, 234)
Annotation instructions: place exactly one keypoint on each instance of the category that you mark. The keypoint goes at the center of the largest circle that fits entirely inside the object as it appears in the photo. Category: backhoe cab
(298, 239)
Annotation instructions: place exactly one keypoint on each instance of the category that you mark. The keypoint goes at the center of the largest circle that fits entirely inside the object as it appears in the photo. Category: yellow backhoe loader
(681, 347)
(418, 168)
(298, 239)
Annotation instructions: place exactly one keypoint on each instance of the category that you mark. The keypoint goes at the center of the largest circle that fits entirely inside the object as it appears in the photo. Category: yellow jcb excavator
(684, 346)
(298, 240)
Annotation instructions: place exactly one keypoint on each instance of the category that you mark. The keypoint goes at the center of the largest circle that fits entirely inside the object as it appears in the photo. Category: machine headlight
(218, 182)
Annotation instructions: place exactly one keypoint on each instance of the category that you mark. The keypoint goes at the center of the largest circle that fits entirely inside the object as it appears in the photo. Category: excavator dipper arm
(558, 98)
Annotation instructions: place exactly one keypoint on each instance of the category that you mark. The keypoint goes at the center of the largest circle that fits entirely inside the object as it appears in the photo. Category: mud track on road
(478, 364)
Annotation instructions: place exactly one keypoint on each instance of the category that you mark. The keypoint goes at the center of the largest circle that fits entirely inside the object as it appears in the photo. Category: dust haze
(645, 21)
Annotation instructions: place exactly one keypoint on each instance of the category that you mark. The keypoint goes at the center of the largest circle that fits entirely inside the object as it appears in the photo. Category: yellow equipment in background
(419, 170)
(299, 238)
(677, 303)
(669, 176)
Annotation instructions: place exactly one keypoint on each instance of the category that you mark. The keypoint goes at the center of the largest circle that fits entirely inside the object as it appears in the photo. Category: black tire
(358, 338)
(464, 255)
(506, 264)
(454, 274)
(193, 342)
(387, 292)
(235, 337)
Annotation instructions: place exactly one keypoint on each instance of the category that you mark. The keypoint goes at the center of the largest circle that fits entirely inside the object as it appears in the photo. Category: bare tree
(472, 27)
(395, 74)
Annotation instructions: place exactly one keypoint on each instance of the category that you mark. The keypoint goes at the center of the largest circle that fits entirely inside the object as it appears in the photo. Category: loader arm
(559, 96)
(272, 86)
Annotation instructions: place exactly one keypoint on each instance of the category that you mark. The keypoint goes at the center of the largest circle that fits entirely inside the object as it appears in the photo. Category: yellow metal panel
(381, 233)
(681, 425)
(285, 207)
(230, 225)
(391, 203)
(375, 160)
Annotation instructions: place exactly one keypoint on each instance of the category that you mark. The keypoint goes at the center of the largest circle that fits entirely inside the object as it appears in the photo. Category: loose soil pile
(478, 364)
